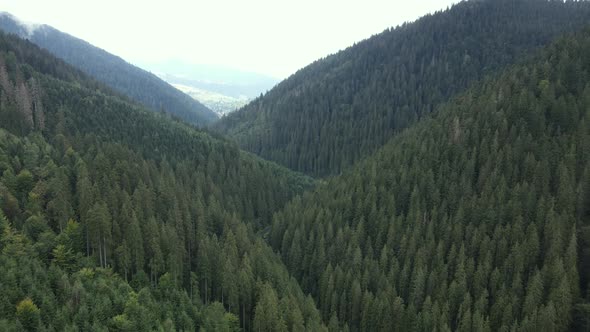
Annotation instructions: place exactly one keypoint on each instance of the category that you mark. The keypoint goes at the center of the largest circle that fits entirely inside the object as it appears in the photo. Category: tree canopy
(115, 217)
(474, 219)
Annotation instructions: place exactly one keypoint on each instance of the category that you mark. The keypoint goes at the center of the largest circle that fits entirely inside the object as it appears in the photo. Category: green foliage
(474, 218)
(24, 183)
(267, 317)
(122, 219)
(63, 257)
(216, 319)
(466, 221)
(340, 109)
(28, 314)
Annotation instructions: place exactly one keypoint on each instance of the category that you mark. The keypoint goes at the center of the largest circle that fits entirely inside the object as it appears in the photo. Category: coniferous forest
(444, 186)
(148, 226)
(476, 219)
(340, 109)
(138, 84)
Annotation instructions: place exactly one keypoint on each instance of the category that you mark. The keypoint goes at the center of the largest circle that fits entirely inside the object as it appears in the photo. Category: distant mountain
(220, 88)
(217, 102)
(228, 81)
(115, 72)
(339, 109)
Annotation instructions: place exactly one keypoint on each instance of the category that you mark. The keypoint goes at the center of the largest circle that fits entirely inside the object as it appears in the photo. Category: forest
(475, 219)
(434, 177)
(340, 109)
(107, 226)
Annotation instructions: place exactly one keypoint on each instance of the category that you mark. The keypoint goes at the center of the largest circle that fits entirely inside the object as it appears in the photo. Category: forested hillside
(113, 71)
(342, 108)
(467, 207)
(477, 219)
(114, 217)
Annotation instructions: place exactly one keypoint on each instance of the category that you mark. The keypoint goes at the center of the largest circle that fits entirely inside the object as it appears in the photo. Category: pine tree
(266, 314)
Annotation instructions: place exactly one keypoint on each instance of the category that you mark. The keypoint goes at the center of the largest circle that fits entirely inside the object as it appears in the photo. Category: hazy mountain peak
(111, 70)
(27, 29)
(221, 88)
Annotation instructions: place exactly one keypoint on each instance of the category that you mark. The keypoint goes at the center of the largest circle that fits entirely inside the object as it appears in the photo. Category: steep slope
(116, 217)
(476, 219)
(335, 111)
(113, 71)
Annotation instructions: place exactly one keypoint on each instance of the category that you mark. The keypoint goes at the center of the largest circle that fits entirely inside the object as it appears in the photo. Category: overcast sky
(273, 37)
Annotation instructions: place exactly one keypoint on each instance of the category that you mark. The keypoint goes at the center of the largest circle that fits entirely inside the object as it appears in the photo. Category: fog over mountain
(131, 81)
(220, 88)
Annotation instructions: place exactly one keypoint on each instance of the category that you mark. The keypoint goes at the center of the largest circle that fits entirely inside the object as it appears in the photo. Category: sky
(272, 37)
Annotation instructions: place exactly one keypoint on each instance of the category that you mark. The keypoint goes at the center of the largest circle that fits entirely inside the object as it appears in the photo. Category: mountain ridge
(339, 109)
(138, 84)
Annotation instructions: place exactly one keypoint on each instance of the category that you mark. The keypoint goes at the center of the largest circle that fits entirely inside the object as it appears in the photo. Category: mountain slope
(476, 219)
(125, 78)
(116, 217)
(339, 109)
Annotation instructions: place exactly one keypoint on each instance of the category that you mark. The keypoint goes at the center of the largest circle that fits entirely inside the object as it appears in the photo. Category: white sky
(273, 37)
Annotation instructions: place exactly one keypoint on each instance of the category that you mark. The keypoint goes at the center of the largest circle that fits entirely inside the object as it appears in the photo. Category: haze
(269, 37)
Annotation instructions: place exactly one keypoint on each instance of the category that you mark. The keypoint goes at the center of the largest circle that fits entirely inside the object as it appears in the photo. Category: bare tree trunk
(100, 253)
(4, 80)
(105, 251)
(24, 101)
(87, 241)
(244, 316)
(38, 112)
(206, 293)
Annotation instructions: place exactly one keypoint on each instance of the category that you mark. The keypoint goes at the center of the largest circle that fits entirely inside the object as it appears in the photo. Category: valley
(434, 176)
